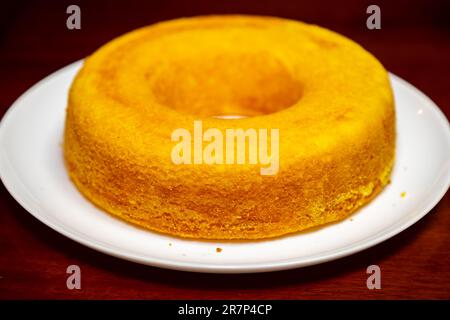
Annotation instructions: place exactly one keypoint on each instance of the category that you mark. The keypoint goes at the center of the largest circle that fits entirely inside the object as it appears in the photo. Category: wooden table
(414, 43)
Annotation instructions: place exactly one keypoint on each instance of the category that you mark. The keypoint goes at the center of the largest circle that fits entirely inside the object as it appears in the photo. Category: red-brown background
(413, 43)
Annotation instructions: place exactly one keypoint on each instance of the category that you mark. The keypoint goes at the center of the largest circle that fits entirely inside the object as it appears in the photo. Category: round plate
(32, 169)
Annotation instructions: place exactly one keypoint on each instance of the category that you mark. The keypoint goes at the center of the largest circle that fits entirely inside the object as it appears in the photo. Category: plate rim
(258, 267)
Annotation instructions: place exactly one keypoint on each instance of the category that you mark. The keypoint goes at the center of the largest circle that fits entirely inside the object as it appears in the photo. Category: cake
(329, 99)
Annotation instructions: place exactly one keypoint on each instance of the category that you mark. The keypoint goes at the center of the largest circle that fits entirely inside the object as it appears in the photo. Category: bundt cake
(329, 99)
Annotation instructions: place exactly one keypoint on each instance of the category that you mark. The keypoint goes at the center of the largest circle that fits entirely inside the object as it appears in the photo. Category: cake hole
(230, 116)
(226, 85)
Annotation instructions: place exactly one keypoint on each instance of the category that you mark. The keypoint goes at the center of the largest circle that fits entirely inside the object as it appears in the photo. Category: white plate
(32, 169)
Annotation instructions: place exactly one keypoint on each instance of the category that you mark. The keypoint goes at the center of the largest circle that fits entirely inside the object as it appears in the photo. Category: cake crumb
(218, 249)
(403, 194)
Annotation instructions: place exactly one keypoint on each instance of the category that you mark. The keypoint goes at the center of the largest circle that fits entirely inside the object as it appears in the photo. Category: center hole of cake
(227, 85)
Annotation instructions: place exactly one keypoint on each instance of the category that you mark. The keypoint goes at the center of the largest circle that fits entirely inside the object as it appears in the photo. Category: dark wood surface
(414, 43)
